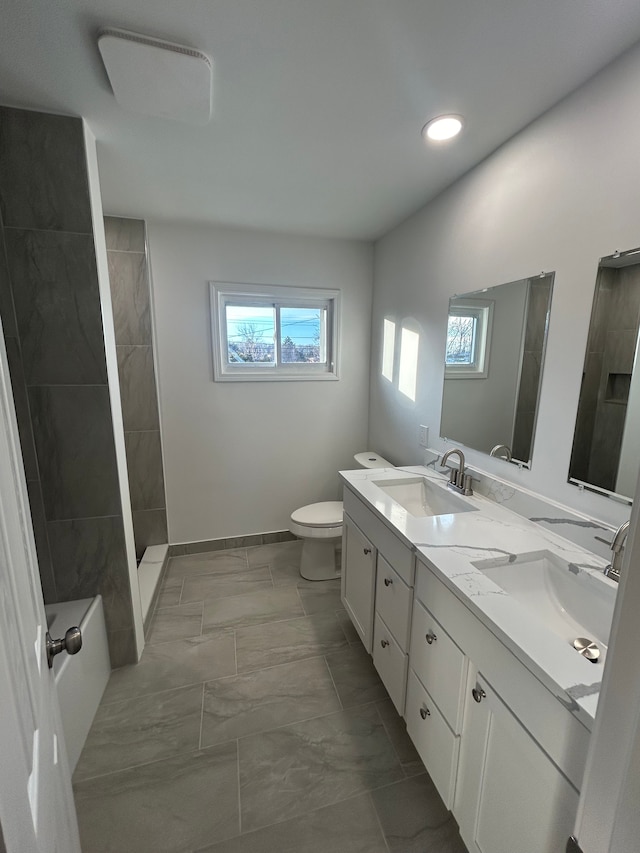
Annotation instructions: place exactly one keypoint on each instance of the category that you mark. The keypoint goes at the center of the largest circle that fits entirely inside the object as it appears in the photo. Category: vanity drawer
(399, 555)
(439, 664)
(393, 602)
(437, 745)
(391, 663)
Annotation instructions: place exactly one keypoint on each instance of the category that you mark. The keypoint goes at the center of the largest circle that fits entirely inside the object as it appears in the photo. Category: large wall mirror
(606, 442)
(496, 341)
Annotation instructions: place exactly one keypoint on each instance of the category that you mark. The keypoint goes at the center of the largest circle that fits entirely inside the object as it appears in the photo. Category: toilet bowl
(319, 526)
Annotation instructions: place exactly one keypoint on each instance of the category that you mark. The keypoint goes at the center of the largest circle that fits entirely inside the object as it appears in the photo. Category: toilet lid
(324, 514)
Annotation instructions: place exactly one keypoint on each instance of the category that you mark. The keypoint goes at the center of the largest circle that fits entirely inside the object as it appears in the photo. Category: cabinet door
(510, 795)
(358, 580)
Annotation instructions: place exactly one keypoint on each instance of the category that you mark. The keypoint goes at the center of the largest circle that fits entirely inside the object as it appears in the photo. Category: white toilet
(320, 527)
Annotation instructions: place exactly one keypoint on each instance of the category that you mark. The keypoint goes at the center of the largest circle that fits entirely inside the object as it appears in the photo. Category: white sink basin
(570, 602)
(420, 497)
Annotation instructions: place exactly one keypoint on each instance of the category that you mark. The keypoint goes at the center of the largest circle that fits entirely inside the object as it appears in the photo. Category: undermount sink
(422, 498)
(570, 602)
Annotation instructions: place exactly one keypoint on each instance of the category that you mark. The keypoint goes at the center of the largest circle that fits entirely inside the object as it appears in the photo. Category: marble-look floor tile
(270, 644)
(355, 677)
(415, 820)
(348, 827)
(170, 593)
(347, 626)
(208, 563)
(301, 767)
(165, 666)
(140, 730)
(216, 586)
(266, 699)
(256, 608)
(396, 728)
(170, 806)
(276, 554)
(322, 597)
(176, 623)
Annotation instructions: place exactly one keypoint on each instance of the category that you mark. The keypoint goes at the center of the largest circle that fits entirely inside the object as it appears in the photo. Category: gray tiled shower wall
(130, 292)
(52, 322)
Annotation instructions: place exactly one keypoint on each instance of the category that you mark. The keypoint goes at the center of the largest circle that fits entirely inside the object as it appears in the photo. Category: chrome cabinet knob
(70, 643)
(384, 643)
(367, 550)
(388, 581)
(430, 637)
(478, 694)
(424, 713)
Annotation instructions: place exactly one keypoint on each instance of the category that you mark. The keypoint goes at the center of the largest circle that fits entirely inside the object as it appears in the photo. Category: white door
(37, 812)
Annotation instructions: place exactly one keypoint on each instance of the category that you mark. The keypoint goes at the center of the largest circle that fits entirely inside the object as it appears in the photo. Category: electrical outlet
(423, 436)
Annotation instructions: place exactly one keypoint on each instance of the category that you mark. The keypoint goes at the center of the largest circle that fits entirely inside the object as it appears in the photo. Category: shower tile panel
(23, 415)
(258, 646)
(267, 699)
(57, 303)
(122, 647)
(255, 608)
(178, 804)
(147, 728)
(144, 461)
(355, 677)
(43, 172)
(45, 568)
(209, 587)
(7, 314)
(89, 556)
(130, 297)
(149, 528)
(124, 235)
(348, 827)
(170, 665)
(75, 447)
(138, 388)
(331, 757)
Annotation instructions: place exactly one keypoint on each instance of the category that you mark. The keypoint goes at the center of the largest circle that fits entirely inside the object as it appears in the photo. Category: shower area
(92, 458)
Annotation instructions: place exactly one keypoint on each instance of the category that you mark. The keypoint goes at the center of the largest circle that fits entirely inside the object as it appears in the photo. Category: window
(263, 332)
(468, 337)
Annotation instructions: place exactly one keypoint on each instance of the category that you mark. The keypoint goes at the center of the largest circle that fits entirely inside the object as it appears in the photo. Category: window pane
(303, 335)
(251, 333)
(461, 339)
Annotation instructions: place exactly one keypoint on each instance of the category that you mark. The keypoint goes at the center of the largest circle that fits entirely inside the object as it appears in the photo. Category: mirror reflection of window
(468, 338)
(408, 374)
(388, 348)
(606, 444)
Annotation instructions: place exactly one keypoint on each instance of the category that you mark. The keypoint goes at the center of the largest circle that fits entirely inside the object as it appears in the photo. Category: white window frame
(482, 310)
(277, 296)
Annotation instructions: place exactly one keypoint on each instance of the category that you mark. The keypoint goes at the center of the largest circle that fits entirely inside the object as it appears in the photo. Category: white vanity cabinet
(377, 592)
(510, 794)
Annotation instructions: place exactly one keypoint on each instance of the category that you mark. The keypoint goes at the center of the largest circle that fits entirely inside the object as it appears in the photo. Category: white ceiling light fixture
(442, 128)
(156, 77)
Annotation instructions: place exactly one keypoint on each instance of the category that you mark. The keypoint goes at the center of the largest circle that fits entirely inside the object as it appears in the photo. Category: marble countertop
(449, 544)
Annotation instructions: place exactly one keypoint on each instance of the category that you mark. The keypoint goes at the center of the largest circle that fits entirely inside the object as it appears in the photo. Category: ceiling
(318, 104)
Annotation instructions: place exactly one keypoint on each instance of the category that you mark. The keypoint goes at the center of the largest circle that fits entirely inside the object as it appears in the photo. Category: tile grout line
(201, 716)
(378, 821)
(239, 791)
(326, 663)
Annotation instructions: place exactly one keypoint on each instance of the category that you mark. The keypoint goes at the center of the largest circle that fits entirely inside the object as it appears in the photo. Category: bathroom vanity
(470, 612)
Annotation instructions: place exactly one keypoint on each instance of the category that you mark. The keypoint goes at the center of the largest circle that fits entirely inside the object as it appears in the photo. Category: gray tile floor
(255, 722)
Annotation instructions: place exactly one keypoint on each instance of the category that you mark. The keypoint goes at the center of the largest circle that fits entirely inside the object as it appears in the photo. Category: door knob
(430, 637)
(388, 581)
(384, 643)
(71, 643)
(424, 713)
(478, 693)
(367, 550)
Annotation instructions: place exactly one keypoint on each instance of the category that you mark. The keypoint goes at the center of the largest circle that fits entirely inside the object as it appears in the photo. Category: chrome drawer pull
(388, 581)
(424, 713)
(430, 637)
(367, 550)
(478, 694)
(384, 643)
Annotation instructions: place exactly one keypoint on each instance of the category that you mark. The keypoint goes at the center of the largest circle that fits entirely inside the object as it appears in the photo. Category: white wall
(240, 457)
(558, 196)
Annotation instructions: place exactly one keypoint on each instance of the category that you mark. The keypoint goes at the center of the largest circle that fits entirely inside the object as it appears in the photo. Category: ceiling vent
(156, 77)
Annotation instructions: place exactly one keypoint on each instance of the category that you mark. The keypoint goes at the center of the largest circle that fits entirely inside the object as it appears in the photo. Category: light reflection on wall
(388, 348)
(408, 372)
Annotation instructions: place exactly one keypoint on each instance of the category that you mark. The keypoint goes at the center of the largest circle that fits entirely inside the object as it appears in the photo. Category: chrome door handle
(71, 643)
(384, 643)
(478, 694)
(430, 637)
(388, 581)
(367, 550)
(424, 713)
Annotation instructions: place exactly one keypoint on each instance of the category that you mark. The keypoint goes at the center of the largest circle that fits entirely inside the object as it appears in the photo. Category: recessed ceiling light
(442, 128)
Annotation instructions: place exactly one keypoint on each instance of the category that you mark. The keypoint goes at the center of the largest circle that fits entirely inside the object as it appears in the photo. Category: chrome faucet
(458, 480)
(502, 452)
(617, 546)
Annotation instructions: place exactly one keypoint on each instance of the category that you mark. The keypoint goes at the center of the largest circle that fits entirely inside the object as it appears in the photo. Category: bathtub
(80, 679)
